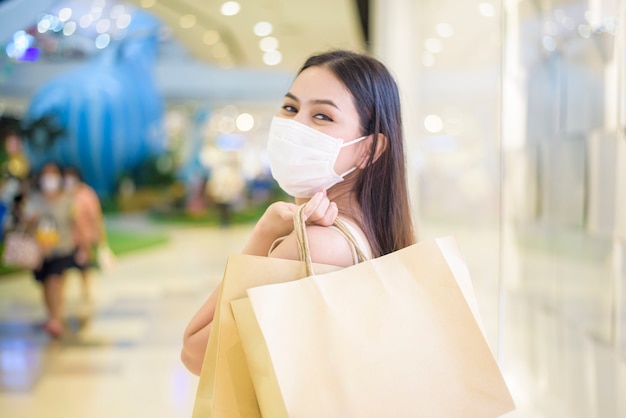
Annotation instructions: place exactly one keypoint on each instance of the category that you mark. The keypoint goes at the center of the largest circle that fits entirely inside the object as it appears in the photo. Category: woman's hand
(81, 257)
(320, 210)
(277, 221)
(278, 218)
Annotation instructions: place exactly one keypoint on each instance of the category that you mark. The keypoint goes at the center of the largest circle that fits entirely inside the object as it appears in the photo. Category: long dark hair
(381, 187)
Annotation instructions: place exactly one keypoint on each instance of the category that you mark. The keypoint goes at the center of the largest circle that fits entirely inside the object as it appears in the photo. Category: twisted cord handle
(299, 226)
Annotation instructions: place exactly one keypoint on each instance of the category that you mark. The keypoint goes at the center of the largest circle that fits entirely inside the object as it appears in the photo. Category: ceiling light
(268, 44)
(96, 12)
(444, 30)
(65, 14)
(584, 31)
(487, 9)
(123, 21)
(85, 21)
(226, 124)
(103, 25)
(245, 122)
(272, 57)
(549, 43)
(263, 28)
(433, 45)
(230, 8)
(117, 11)
(56, 24)
(433, 123)
(69, 28)
(211, 37)
(43, 25)
(103, 40)
(187, 21)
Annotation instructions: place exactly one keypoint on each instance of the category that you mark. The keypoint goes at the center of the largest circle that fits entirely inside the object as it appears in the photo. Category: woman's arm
(326, 245)
(276, 222)
(197, 332)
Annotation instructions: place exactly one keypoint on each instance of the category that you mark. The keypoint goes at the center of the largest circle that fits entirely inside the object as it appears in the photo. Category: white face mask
(50, 183)
(302, 159)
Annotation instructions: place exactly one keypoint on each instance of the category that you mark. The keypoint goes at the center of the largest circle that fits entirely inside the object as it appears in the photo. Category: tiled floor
(121, 356)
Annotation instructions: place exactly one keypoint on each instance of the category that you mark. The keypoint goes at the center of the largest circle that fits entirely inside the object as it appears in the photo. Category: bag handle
(299, 226)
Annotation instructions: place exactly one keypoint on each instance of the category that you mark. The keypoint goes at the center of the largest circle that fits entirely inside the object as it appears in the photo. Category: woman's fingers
(319, 210)
(329, 216)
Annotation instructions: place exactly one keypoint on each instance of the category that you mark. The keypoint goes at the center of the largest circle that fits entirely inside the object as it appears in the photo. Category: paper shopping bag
(397, 336)
(225, 387)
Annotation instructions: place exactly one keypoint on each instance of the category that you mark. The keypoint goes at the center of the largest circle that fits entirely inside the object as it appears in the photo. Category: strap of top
(299, 227)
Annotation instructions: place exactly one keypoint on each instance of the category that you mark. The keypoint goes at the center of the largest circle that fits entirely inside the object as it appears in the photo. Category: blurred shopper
(89, 232)
(336, 146)
(226, 186)
(14, 181)
(49, 211)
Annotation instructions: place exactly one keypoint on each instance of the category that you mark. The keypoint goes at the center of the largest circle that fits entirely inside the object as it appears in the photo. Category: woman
(89, 231)
(336, 146)
(50, 212)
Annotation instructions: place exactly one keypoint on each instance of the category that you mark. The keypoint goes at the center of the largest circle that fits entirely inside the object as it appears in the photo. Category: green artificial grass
(209, 218)
(122, 242)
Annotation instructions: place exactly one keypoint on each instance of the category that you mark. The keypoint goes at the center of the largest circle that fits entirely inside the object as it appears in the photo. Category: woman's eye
(322, 116)
(290, 108)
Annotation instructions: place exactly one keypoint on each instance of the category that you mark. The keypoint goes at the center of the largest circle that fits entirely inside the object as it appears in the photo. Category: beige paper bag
(390, 337)
(225, 388)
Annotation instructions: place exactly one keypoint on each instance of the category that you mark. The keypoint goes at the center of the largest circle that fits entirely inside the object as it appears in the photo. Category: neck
(52, 196)
(344, 196)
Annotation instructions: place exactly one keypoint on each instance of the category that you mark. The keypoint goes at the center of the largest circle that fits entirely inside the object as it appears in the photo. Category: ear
(381, 146)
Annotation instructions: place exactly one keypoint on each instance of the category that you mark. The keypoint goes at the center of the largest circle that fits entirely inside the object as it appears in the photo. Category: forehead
(50, 168)
(321, 83)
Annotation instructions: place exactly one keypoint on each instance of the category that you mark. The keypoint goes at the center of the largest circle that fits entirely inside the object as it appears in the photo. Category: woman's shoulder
(327, 245)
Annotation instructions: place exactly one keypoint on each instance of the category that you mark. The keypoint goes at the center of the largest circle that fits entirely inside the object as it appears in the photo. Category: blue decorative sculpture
(109, 110)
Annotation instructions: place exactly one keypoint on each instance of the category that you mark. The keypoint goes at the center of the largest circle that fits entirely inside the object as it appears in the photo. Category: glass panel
(562, 211)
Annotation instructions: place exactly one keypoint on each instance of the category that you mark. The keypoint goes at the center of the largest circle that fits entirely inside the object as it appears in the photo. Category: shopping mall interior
(514, 114)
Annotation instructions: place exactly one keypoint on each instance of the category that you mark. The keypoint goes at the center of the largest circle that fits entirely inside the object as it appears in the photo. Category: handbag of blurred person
(395, 336)
(21, 249)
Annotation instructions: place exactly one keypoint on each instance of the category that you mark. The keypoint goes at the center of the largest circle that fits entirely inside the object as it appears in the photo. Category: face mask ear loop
(348, 172)
(354, 141)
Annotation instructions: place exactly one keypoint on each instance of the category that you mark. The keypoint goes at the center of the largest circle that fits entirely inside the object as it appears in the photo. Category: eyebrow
(314, 101)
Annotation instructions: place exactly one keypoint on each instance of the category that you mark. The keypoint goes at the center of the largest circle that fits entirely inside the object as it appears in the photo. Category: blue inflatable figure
(106, 116)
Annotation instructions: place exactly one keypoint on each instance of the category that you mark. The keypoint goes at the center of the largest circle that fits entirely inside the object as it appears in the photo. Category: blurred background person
(89, 234)
(49, 211)
(14, 181)
(226, 185)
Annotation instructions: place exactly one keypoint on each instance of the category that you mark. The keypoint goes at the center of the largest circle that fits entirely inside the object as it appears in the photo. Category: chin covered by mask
(302, 159)
(50, 183)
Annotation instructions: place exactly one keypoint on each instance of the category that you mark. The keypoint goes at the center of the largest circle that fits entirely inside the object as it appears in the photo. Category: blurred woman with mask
(49, 212)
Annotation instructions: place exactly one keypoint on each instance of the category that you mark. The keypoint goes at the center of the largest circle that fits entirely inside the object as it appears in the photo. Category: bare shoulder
(327, 246)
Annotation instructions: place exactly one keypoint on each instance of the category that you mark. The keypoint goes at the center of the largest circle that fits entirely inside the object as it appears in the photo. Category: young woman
(49, 211)
(336, 146)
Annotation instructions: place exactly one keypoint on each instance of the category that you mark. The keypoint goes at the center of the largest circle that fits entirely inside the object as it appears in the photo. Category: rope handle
(299, 226)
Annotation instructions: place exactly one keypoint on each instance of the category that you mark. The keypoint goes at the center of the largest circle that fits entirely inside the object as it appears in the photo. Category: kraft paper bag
(225, 387)
(397, 336)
